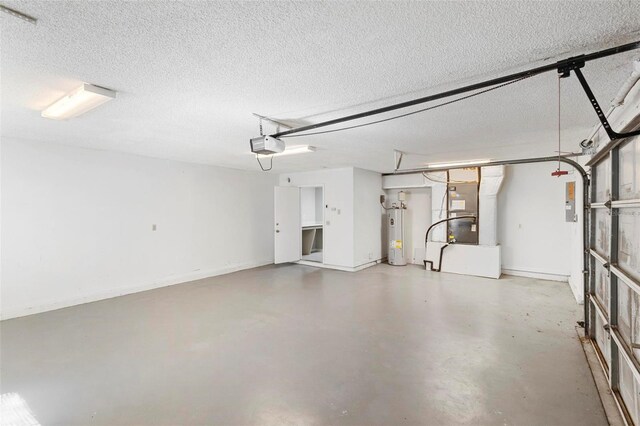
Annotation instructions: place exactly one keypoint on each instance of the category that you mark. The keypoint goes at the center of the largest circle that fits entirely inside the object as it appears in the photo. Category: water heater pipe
(426, 240)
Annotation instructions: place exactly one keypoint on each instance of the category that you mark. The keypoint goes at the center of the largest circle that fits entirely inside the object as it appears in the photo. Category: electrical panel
(570, 202)
(463, 196)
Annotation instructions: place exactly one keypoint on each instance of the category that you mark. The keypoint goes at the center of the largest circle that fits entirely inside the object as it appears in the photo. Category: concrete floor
(316, 256)
(284, 345)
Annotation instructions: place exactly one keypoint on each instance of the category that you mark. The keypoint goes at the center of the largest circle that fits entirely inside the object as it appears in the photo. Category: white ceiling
(189, 75)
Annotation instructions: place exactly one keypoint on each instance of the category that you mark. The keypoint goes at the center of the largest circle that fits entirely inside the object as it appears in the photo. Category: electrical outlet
(154, 227)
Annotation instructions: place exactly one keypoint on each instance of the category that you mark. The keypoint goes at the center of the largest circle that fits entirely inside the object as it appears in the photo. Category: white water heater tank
(395, 233)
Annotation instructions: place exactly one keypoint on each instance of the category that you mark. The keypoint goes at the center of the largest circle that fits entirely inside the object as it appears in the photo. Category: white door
(288, 234)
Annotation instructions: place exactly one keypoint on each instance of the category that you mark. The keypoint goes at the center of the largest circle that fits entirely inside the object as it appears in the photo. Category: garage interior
(319, 213)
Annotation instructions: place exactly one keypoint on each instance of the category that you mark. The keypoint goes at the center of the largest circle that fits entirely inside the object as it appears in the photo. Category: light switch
(154, 227)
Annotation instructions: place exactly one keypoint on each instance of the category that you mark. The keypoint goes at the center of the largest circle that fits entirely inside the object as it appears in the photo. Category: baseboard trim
(336, 267)
(10, 313)
(536, 275)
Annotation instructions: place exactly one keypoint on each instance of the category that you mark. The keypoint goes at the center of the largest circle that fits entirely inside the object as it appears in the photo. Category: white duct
(438, 204)
(490, 183)
(628, 85)
(620, 96)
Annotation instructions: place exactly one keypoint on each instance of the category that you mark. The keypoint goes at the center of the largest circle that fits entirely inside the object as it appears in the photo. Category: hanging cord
(559, 172)
(444, 197)
(270, 163)
(426, 175)
(559, 103)
(412, 112)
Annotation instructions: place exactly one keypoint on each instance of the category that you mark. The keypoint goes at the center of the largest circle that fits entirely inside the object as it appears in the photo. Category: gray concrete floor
(300, 345)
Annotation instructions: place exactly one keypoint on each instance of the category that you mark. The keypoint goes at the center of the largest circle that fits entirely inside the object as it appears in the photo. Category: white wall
(576, 277)
(319, 193)
(532, 230)
(310, 205)
(367, 224)
(338, 235)
(77, 224)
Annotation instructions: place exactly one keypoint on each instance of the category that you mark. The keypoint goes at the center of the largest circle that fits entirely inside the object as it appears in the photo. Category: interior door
(288, 234)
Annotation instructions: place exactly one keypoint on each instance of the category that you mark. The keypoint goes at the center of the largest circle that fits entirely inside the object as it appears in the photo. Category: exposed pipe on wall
(426, 240)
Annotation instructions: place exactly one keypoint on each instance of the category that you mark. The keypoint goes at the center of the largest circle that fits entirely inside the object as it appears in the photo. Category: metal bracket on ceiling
(279, 123)
(575, 64)
(397, 155)
(19, 15)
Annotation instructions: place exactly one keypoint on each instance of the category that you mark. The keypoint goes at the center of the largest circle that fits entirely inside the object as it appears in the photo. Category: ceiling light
(457, 164)
(79, 101)
(298, 149)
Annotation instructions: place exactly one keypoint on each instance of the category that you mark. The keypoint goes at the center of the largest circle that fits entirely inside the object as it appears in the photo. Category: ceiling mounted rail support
(574, 65)
(564, 64)
(18, 14)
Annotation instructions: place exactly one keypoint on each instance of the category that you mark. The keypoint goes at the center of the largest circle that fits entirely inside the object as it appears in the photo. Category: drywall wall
(78, 224)
(352, 229)
(367, 224)
(576, 277)
(536, 240)
(310, 205)
(338, 235)
(319, 201)
(490, 183)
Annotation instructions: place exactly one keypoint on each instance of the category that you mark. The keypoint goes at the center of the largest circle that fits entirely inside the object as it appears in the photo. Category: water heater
(395, 233)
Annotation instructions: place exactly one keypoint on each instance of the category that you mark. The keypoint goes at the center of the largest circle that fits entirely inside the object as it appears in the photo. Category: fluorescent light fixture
(79, 101)
(15, 411)
(457, 164)
(298, 149)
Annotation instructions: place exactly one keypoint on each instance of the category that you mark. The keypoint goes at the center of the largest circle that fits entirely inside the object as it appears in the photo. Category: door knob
(277, 230)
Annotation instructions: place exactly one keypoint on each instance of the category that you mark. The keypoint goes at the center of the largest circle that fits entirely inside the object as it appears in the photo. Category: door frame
(324, 207)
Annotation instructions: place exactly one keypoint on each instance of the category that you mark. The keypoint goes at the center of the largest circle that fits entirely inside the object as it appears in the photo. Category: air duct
(628, 85)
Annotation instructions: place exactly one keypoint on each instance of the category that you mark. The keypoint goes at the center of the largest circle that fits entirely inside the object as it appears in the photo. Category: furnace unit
(463, 199)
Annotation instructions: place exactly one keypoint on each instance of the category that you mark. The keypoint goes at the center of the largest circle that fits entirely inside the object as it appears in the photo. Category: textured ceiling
(189, 75)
